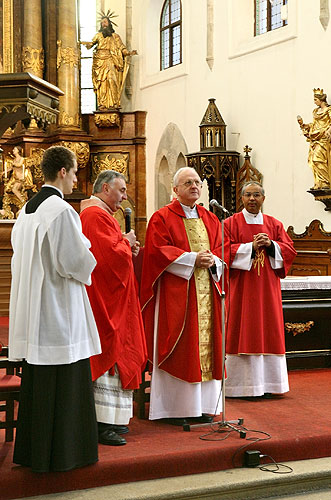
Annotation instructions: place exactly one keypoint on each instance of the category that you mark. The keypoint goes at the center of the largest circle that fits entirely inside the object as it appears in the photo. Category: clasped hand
(134, 244)
(204, 259)
(261, 240)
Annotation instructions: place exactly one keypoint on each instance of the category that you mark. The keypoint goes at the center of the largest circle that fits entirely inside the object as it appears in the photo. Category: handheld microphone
(214, 203)
(127, 219)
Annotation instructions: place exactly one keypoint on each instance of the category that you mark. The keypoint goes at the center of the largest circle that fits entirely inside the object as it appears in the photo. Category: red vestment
(114, 299)
(178, 332)
(254, 303)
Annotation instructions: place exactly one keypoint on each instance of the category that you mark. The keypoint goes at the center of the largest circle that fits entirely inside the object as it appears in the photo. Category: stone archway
(170, 156)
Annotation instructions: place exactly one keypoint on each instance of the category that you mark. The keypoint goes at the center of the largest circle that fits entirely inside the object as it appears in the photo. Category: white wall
(260, 84)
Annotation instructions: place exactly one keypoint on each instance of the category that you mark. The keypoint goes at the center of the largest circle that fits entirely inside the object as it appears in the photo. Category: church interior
(219, 86)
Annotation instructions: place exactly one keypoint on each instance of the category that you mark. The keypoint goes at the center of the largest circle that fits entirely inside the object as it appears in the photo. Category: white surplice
(50, 319)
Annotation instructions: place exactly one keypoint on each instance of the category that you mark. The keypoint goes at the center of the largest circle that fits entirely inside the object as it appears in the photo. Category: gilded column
(67, 64)
(33, 52)
(7, 21)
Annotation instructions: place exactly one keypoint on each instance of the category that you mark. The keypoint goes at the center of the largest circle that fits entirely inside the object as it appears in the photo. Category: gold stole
(198, 240)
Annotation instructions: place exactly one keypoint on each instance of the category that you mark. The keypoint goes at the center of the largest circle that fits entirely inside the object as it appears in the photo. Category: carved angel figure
(17, 179)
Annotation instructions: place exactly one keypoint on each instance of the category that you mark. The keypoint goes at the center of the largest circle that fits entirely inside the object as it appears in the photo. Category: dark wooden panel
(311, 348)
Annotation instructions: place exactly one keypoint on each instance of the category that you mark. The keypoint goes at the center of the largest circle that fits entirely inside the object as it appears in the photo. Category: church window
(87, 30)
(270, 15)
(171, 34)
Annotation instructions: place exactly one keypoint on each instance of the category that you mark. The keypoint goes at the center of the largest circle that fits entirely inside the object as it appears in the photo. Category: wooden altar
(307, 318)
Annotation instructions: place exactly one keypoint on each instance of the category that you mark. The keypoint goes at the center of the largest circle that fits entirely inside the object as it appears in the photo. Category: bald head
(187, 186)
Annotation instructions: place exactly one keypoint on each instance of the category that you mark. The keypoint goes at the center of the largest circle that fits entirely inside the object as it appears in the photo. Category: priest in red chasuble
(181, 304)
(261, 254)
(115, 304)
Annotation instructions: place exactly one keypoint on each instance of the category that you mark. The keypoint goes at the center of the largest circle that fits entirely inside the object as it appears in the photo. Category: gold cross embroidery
(258, 261)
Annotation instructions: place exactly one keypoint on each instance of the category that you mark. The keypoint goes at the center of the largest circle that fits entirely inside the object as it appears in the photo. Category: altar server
(51, 326)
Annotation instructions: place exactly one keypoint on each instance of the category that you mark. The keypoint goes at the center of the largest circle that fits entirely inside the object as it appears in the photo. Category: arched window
(87, 29)
(270, 15)
(171, 34)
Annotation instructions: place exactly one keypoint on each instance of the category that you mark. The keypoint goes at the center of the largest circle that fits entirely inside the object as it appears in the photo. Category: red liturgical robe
(114, 299)
(178, 332)
(254, 303)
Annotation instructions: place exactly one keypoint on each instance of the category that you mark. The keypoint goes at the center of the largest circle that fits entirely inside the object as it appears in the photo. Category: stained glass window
(171, 34)
(268, 15)
(87, 30)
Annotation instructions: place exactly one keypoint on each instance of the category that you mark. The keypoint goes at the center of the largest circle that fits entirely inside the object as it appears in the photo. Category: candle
(5, 169)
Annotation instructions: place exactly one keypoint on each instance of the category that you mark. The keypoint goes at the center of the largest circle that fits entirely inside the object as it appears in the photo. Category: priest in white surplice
(181, 303)
(261, 254)
(51, 326)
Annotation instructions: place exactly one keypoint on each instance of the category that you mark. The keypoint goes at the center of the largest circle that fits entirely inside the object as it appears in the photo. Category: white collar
(190, 213)
(252, 218)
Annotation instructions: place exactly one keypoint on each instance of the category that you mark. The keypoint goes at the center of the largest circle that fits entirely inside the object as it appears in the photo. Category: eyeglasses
(255, 195)
(190, 183)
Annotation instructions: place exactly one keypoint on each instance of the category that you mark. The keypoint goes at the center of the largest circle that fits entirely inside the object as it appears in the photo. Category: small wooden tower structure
(213, 162)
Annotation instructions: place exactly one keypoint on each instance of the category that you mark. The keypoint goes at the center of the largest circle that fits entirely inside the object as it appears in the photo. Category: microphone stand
(223, 425)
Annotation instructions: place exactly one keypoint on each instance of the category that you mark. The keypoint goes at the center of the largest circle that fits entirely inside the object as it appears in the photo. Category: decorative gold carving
(296, 328)
(8, 45)
(33, 162)
(67, 55)
(81, 150)
(39, 114)
(9, 108)
(15, 187)
(110, 161)
(68, 121)
(33, 59)
(107, 119)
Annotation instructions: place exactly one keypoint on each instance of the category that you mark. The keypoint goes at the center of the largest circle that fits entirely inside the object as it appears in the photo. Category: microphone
(214, 203)
(127, 218)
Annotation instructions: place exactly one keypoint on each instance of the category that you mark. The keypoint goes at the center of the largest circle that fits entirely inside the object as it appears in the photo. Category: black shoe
(110, 438)
(203, 419)
(119, 429)
(268, 395)
(176, 421)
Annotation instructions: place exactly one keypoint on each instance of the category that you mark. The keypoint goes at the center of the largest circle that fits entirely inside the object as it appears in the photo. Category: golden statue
(110, 65)
(17, 179)
(318, 135)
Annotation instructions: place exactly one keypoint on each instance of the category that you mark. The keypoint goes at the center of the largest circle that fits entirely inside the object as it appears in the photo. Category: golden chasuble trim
(198, 240)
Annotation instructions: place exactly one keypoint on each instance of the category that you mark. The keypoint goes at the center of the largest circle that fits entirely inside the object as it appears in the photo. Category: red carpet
(299, 425)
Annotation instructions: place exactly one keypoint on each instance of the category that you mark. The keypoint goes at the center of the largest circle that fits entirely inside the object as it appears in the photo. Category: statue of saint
(110, 65)
(318, 134)
(18, 181)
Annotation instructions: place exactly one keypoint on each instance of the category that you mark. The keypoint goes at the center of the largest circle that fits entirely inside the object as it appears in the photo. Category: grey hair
(249, 183)
(179, 171)
(106, 176)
